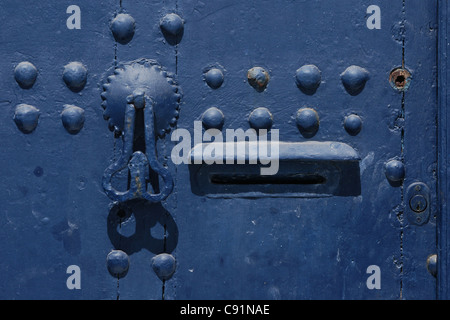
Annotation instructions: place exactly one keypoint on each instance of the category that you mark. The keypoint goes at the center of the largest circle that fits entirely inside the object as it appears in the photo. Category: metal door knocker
(141, 88)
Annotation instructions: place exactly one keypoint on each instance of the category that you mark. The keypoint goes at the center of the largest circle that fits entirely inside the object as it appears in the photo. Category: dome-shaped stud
(432, 265)
(261, 118)
(308, 122)
(172, 27)
(26, 118)
(118, 263)
(213, 118)
(75, 76)
(258, 78)
(308, 79)
(164, 266)
(353, 124)
(73, 118)
(214, 78)
(354, 79)
(123, 27)
(25, 74)
(395, 171)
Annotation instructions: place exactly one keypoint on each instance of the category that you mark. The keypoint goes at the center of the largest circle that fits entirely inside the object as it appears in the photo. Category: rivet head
(26, 118)
(213, 118)
(25, 74)
(164, 266)
(308, 79)
(432, 265)
(214, 78)
(258, 78)
(395, 171)
(308, 122)
(172, 27)
(353, 124)
(261, 118)
(118, 263)
(354, 79)
(75, 76)
(123, 28)
(73, 118)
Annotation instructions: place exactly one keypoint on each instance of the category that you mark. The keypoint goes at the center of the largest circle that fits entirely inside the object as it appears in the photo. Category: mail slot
(308, 169)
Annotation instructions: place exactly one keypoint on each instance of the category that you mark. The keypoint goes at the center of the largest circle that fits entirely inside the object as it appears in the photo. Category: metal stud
(75, 76)
(214, 78)
(308, 122)
(123, 28)
(432, 265)
(26, 118)
(213, 118)
(172, 27)
(164, 266)
(395, 171)
(72, 118)
(118, 263)
(308, 79)
(354, 79)
(261, 118)
(258, 78)
(25, 74)
(353, 124)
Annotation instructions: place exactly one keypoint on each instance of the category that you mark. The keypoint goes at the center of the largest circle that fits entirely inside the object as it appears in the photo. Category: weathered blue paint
(420, 159)
(345, 196)
(443, 187)
(51, 216)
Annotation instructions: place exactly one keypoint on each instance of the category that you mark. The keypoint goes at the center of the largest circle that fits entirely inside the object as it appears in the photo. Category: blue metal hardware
(306, 170)
(443, 172)
(138, 163)
(143, 87)
(357, 91)
(419, 204)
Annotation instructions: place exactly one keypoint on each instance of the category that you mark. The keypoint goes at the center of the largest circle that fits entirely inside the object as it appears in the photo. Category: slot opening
(249, 179)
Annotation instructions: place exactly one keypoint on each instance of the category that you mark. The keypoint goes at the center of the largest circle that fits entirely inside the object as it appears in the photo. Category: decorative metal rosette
(157, 83)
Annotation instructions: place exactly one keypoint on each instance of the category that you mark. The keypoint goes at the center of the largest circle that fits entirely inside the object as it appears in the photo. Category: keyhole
(418, 204)
(400, 79)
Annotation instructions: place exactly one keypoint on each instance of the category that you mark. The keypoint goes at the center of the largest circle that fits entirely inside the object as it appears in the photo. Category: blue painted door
(348, 89)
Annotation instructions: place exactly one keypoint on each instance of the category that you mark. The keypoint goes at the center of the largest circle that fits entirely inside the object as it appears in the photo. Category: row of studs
(123, 27)
(307, 120)
(74, 75)
(27, 116)
(308, 79)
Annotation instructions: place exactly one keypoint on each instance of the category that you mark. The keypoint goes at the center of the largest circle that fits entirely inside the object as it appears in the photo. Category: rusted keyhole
(400, 79)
